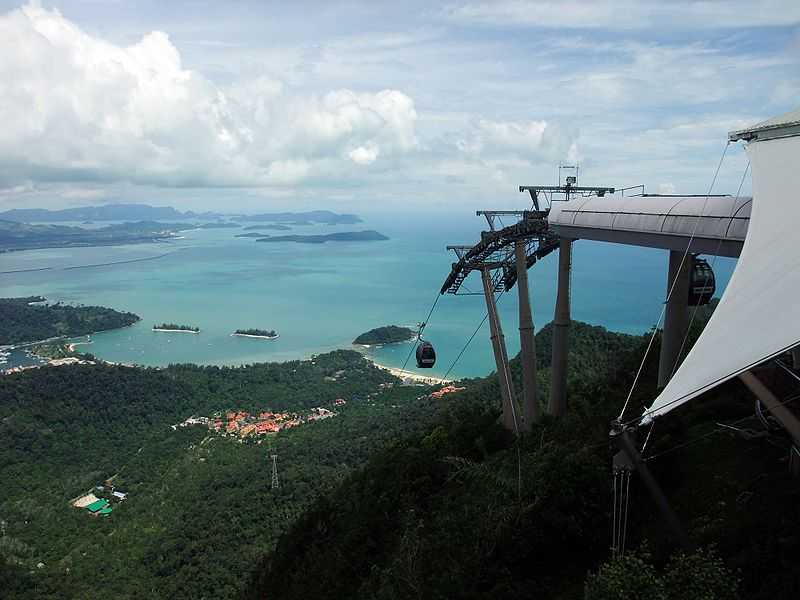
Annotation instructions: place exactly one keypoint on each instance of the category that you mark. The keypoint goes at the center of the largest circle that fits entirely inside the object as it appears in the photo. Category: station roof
(785, 124)
(97, 505)
(717, 224)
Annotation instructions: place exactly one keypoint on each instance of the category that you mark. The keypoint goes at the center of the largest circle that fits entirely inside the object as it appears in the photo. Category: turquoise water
(320, 297)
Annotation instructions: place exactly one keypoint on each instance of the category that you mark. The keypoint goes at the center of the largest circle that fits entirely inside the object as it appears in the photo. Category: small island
(263, 334)
(344, 236)
(172, 327)
(274, 226)
(390, 334)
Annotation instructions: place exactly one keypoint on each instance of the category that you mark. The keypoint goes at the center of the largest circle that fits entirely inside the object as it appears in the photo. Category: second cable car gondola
(702, 283)
(426, 355)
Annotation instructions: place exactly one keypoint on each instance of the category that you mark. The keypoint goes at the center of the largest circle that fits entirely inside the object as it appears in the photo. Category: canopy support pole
(676, 314)
(621, 434)
(561, 323)
(500, 354)
(527, 341)
(778, 410)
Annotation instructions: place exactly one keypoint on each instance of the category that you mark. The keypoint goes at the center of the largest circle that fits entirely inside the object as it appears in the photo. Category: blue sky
(378, 106)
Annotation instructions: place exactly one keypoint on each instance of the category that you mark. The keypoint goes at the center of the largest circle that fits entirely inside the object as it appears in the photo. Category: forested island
(252, 234)
(390, 334)
(269, 334)
(176, 328)
(218, 225)
(326, 217)
(344, 236)
(23, 236)
(273, 226)
(31, 319)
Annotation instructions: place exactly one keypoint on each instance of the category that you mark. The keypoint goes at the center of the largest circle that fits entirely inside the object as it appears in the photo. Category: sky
(397, 107)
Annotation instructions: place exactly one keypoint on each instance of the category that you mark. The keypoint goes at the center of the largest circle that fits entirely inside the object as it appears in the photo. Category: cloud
(78, 108)
(626, 14)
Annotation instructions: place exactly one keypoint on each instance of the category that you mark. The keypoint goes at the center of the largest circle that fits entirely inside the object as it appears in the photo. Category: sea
(319, 297)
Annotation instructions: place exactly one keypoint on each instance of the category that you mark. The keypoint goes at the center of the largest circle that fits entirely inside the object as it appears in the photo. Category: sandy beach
(410, 376)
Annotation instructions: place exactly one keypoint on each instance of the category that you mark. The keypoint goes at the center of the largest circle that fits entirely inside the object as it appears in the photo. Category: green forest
(466, 510)
(389, 334)
(26, 320)
(200, 512)
(397, 496)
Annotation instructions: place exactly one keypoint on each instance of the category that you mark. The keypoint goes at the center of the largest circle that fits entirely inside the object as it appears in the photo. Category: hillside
(200, 510)
(465, 511)
(22, 321)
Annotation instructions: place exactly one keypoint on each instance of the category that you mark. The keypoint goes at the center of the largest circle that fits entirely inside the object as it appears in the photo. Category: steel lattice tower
(275, 483)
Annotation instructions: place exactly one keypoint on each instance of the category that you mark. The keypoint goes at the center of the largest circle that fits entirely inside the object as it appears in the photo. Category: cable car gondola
(426, 355)
(702, 283)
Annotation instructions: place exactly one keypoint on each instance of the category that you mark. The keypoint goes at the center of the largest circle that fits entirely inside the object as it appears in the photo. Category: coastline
(410, 376)
(174, 330)
(259, 337)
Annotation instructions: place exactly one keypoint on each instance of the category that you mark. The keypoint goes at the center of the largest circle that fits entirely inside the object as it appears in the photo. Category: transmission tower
(275, 483)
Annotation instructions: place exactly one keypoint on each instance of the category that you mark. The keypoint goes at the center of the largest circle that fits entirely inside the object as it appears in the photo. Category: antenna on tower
(275, 483)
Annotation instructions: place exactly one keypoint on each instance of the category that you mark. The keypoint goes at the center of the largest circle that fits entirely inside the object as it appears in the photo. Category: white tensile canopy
(758, 316)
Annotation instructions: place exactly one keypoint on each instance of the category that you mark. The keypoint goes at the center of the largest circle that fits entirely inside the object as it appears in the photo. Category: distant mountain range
(145, 212)
(107, 212)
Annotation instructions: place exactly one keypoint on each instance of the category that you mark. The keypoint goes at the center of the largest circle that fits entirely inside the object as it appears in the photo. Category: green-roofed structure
(97, 506)
(106, 511)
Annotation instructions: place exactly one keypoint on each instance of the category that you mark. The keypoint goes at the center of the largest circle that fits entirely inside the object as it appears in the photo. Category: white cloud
(364, 155)
(75, 107)
(627, 14)
(532, 140)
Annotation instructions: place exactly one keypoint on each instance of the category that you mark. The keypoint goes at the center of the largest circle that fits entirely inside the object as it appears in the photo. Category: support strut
(500, 354)
(527, 341)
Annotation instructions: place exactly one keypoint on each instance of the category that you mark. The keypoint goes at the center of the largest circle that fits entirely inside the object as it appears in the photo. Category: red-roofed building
(266, 427)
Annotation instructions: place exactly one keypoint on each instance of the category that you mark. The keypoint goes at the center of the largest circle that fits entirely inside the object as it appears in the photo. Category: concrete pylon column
(500, 354)
(561, 322)
(527, 342)
(676, 314)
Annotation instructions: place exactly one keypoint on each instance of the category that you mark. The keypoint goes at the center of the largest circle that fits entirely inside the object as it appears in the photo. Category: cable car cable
(673, 283)
(713, 264)
(419, 332)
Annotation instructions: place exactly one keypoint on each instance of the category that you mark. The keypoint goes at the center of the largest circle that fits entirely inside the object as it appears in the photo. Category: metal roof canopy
(657, 221)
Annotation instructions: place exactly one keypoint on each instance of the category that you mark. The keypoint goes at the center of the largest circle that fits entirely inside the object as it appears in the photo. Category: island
(344, 236)
(264, 334)
(313, 216)
(172, 327)
(218, 225)
(252, 234)
(31, 318)
(24, 236)
(273, 226)
(389, 334)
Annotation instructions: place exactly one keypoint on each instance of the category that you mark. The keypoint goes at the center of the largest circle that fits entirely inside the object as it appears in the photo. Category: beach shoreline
(411, 376)
(175, 330)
